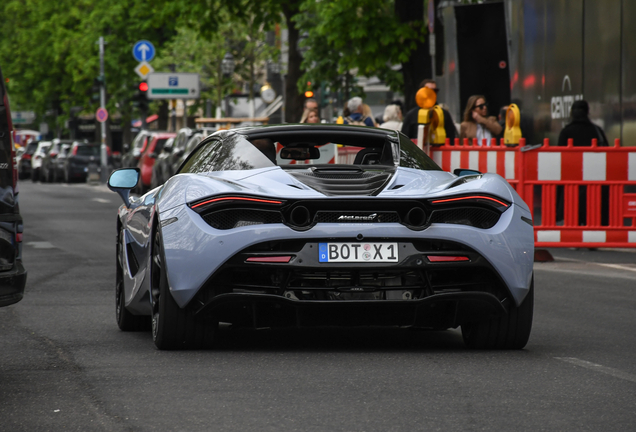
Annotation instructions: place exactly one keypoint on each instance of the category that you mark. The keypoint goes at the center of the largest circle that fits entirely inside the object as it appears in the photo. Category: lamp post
(226, 67)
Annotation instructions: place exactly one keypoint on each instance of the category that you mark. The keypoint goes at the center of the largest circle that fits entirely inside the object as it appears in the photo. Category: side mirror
(152, 155)
(167, 149)
(122, 181)
(460, 172)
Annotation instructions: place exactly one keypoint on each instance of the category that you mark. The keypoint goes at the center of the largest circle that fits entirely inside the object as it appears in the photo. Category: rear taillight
(53, 154)
(18, 237)
(74, 153)
(26, 156)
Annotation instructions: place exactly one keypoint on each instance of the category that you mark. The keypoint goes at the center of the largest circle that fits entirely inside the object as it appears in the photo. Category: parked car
(36, 160)
(132, 153)
(75, 165)
(159, 174)
(12, 272)
(24, 160)
(60, 160)
(386, 238)
(169, 160)
(156, 141)
(49, 160)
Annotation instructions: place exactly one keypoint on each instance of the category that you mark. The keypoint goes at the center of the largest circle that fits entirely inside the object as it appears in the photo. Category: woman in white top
(392, 118)
(477, 123)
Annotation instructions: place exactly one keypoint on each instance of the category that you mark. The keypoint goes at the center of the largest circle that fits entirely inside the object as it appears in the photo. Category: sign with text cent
(173, 86)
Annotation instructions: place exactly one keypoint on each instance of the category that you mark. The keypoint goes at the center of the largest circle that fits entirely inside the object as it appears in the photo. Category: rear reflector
(270, 259)
(446, 258)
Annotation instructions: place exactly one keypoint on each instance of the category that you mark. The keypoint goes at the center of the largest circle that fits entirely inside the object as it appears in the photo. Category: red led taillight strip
(237, 199)
(446, 258)
(270, 259)
(470, 198)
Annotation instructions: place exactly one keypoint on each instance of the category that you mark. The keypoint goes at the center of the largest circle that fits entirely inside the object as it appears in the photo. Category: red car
(156, 140)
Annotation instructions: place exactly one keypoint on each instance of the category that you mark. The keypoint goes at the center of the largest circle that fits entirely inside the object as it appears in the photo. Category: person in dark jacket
(409, 125)
(581, 129)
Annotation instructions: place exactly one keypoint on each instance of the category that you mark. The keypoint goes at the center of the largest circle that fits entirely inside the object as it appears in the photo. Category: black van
(12, 272)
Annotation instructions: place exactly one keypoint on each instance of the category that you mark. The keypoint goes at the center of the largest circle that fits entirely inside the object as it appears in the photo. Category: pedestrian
(310, 116)
(477, 123)
(392, 118)
(581, 129)
(501, 119)
(310, 103)
(366, 111)
(357, 117)
(409, 126)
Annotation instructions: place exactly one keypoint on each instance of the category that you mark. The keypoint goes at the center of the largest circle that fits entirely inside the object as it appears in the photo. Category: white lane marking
(614, 266)
(599, 368)
(101, 200)
(617, 266)
(40, 245)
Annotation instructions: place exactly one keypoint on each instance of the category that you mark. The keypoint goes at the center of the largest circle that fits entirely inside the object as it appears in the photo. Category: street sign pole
(102, 102)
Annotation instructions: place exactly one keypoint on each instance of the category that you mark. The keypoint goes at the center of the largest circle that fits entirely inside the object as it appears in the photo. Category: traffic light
(309, 92)
(95, 89)
(140, 98)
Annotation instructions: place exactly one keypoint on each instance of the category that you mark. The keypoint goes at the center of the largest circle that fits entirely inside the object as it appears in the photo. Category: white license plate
(358, 252)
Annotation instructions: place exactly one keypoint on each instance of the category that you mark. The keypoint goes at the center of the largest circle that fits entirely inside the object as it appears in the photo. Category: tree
(50, 51)
(369, 37)
(208, 15)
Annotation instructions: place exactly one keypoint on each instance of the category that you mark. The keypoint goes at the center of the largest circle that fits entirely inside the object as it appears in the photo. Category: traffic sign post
(144, 51)
(173, 86)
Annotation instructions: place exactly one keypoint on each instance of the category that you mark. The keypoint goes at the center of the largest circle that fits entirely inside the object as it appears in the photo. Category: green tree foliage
(189, 51)
(366, 36)
(49, 49)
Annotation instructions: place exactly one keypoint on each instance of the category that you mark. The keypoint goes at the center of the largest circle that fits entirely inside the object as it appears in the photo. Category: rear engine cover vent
(349, 183)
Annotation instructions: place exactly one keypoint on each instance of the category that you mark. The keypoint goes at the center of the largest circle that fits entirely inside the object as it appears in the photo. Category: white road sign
(173, 86)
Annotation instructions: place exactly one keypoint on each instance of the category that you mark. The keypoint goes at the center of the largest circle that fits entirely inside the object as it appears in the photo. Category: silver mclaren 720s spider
(322, 225)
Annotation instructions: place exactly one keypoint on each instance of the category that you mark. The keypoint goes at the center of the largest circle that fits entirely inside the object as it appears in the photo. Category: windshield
(87, 150)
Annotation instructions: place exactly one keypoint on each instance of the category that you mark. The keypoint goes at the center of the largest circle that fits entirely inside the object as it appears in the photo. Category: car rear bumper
(12, 284)
(440, 311)
(502, 255)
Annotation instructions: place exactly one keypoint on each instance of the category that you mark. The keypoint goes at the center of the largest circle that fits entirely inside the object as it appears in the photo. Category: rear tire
(125, 320)
(509, 331)
(35, 174)
(173, 327)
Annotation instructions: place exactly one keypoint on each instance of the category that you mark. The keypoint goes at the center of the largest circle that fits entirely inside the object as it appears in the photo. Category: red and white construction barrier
(579, 196)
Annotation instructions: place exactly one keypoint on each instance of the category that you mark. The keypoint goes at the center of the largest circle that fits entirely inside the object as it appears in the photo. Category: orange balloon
(425, 98)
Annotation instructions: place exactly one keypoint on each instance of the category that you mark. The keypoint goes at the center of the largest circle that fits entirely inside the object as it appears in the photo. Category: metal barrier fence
(579, 196)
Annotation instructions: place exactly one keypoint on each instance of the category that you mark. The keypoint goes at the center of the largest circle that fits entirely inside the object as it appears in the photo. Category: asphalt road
(64, 365)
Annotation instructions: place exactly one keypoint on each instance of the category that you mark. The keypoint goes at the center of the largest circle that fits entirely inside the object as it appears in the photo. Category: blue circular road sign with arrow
(144, 51)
